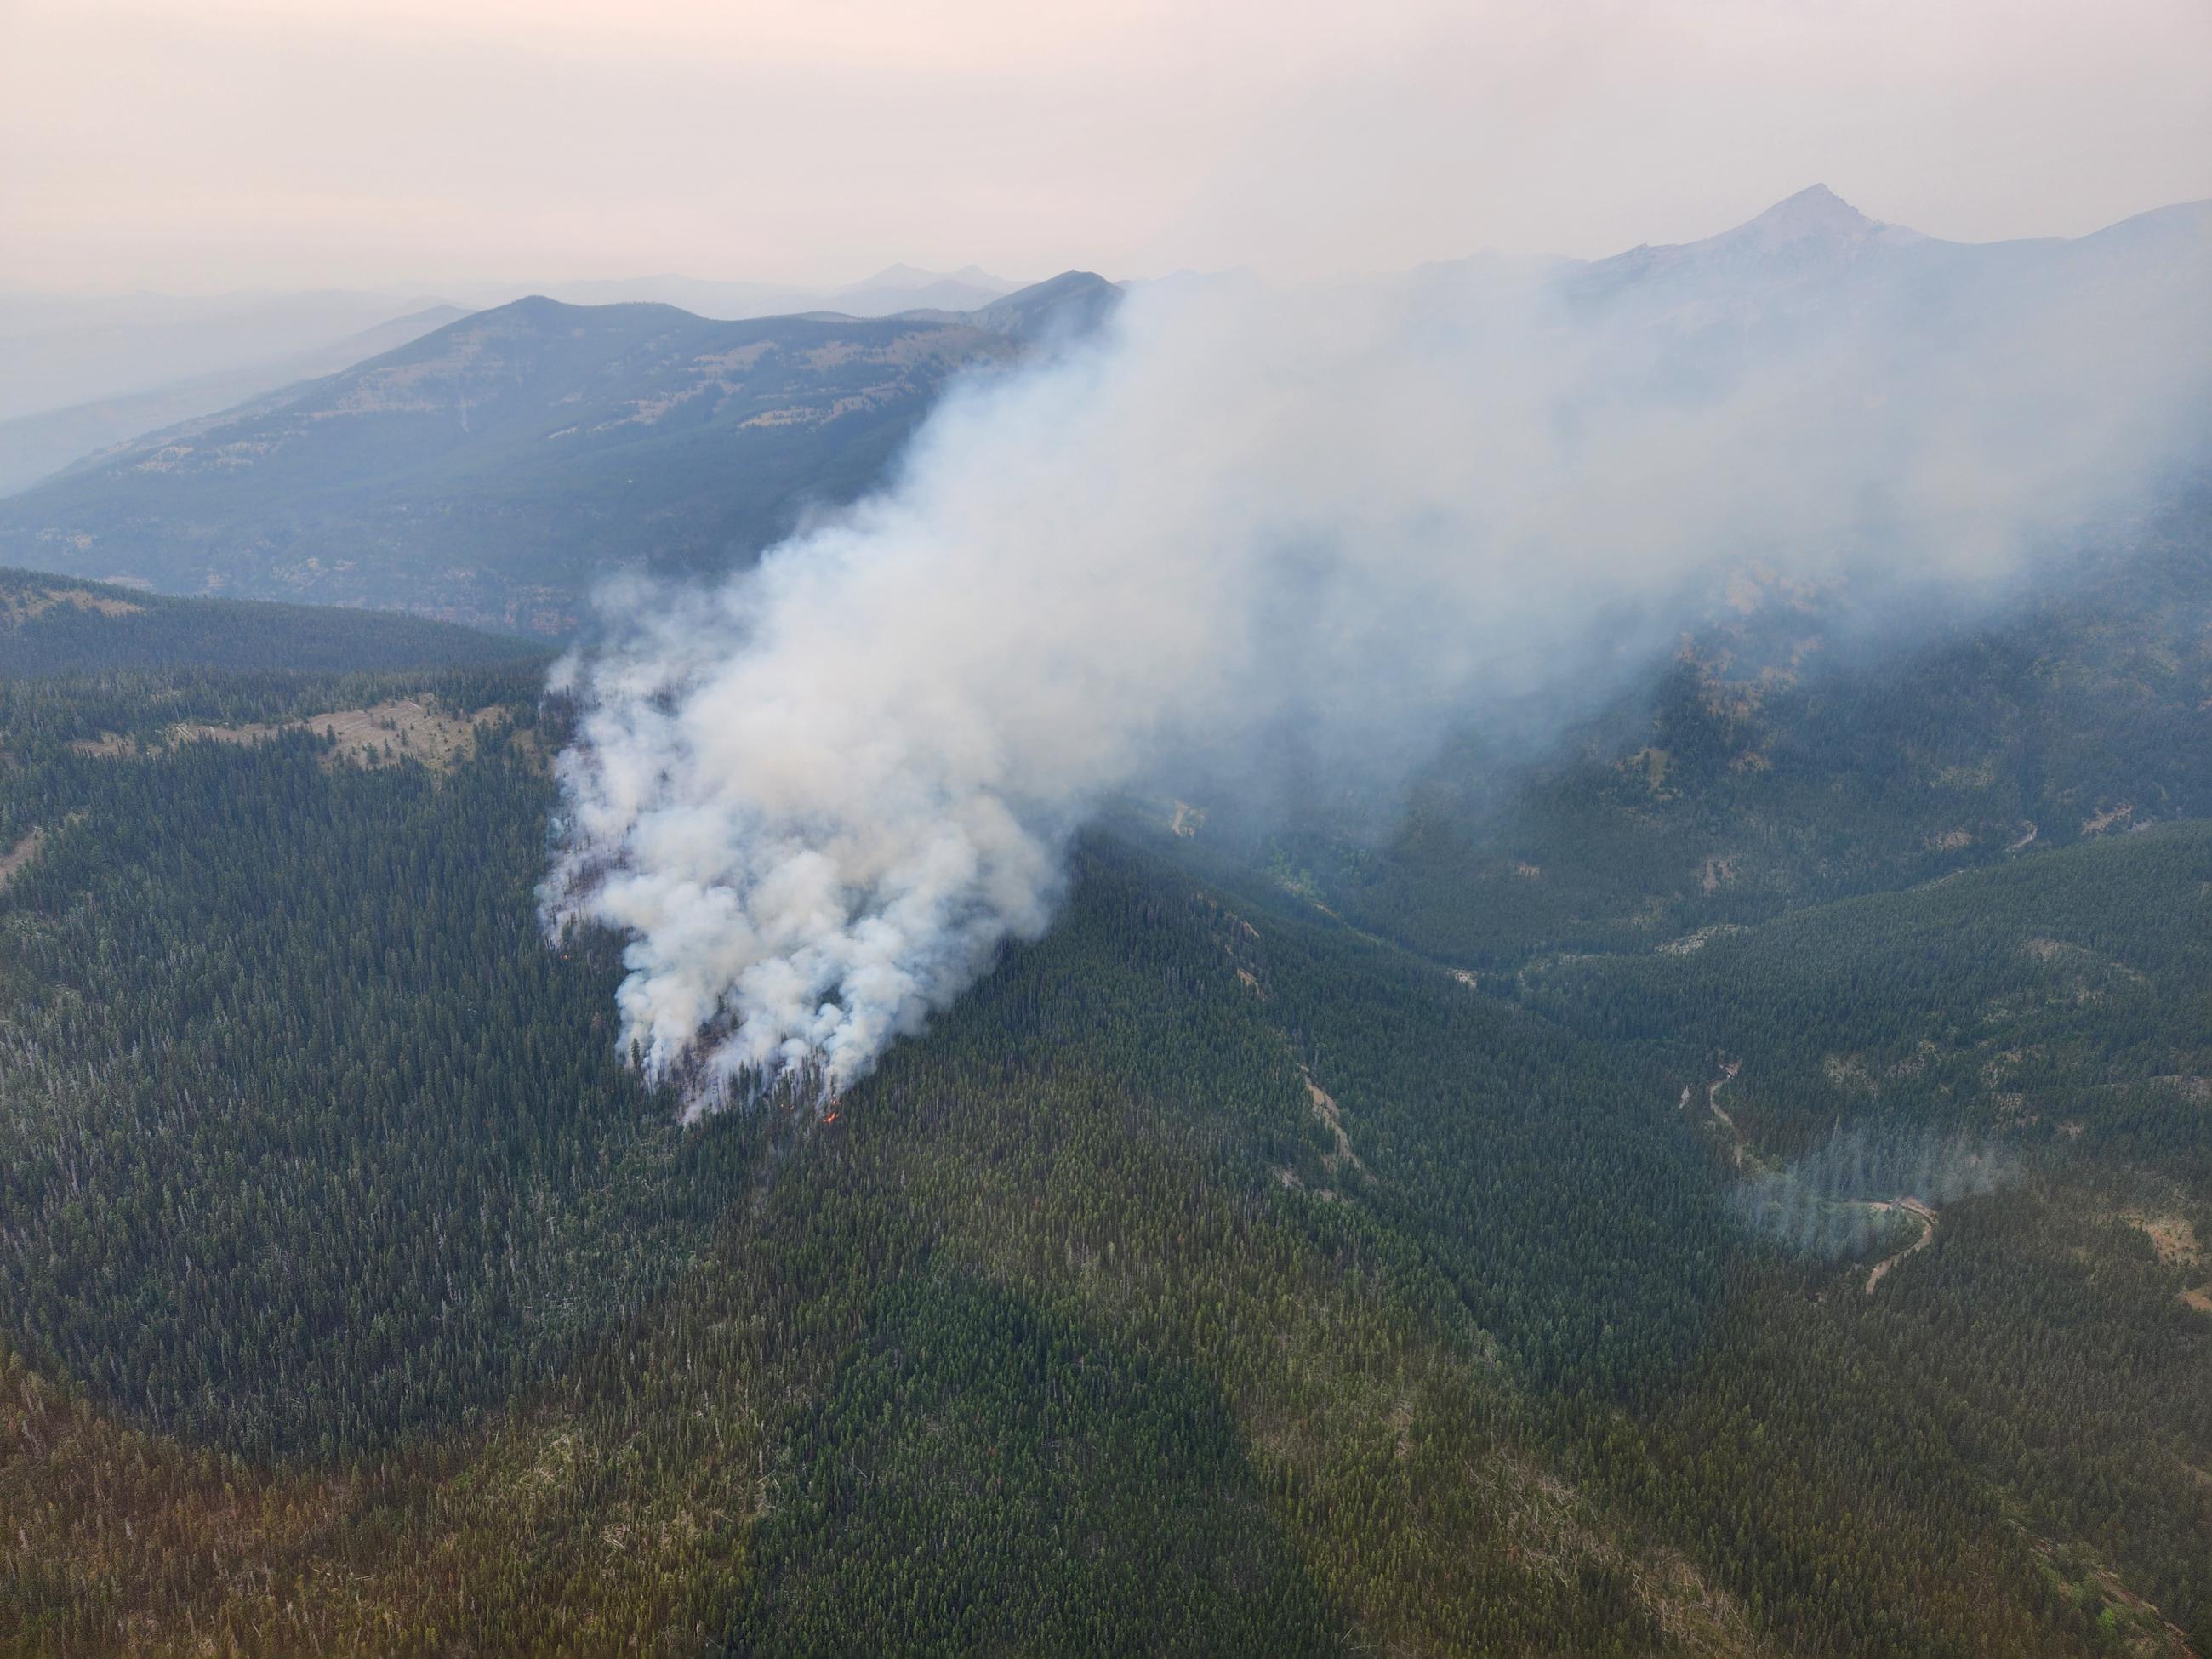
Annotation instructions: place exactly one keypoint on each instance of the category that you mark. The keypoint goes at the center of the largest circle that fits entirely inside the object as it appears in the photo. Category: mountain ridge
(41, 443)
(496, 461)
(496, 492)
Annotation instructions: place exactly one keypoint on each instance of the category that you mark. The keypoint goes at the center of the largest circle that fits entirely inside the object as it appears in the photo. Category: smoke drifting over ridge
(819, 796)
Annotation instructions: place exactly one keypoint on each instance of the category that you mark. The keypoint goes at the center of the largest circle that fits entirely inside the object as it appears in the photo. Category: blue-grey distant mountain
(1813, 262)
(35, 446)
(79, 375)
(60, 350)
(893, 289)
(491, 471)
(1067, 305)
(904, 287)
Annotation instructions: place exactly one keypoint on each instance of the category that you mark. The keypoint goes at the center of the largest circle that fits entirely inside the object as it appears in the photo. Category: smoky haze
(1839, 1199)
(445, 145)
(819, 796)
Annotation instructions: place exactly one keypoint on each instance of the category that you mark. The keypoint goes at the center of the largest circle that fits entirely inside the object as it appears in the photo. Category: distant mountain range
(59, 351)
(36, 445)
(895, 289)
(489, 471)
(1815, 252)
(79, 374)
(1812, 262)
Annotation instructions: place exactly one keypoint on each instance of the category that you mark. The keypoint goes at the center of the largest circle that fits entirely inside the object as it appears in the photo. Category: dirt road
(1920, 1212)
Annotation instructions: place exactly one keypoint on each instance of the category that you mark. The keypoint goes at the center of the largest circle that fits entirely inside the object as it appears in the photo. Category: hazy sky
(191, 144)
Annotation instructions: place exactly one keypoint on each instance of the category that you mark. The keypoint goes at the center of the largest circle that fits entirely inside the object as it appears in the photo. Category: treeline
(57, 625)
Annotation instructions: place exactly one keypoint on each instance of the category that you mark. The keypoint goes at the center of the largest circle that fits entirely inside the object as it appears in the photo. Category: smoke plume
(819, 796)
(1825, 1205)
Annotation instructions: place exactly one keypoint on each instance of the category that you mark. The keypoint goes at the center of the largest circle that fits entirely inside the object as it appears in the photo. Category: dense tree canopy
(1260, 1262)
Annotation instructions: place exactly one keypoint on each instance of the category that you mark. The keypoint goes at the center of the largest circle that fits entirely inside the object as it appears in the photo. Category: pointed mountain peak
(1815, 229)
(1814, 206)
(1813, 218)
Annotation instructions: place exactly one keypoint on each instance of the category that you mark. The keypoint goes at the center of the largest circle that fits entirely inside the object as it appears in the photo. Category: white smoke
(818, 797)
(1822, 1204)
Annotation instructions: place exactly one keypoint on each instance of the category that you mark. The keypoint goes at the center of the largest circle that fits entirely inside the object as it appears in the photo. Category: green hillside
(1230, 1271)
(54, 625)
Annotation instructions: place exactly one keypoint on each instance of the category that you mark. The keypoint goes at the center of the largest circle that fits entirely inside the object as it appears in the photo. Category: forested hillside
(1791, 751)
(54, 626)
(491, 471)
(154, 380)
(1239, 1268)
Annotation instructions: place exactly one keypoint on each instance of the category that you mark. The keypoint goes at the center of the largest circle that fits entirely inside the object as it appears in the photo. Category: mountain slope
(1816, 234)
(1814, 228)
(58, 351)
(33, 447)
(1216, 1274)
(1799, 744)
(491, 471)
(897, 288)
(52, 625)
(1211, 1270)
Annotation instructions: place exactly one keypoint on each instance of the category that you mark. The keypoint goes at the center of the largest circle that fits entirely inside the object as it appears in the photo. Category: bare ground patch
(405, 729)
(1697, 941)
(383, 735)
(1919, 1212)
(1325, 1109)
(23, 604)
(19, 855)
(1557, 1532)
(1737, 1149)
(2100, 822)
(2171, 1236)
